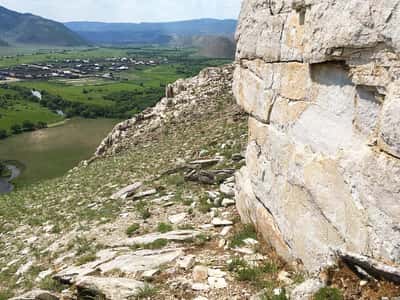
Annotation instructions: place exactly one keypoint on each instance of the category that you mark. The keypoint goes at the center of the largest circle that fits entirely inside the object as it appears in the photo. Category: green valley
(82, 93)
(90, 83)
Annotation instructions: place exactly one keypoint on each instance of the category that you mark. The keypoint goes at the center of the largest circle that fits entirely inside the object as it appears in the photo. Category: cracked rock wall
(320, 80)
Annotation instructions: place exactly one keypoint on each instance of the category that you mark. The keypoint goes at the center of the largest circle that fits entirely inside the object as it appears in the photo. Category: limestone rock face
(321, 82)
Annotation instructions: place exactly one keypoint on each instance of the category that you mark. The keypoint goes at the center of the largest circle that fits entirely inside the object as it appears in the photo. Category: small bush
(147, 291)
(201, 239)
(157, 244)
(163, 227)
(236, 263)
(143, 210)
(328, 293)
(252, 273)
(83, 245)
(132, 229)
(50, 284)
(204, 206)
(86, 258)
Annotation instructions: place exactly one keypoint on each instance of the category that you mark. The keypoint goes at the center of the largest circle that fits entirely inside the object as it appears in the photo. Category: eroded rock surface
(321, 82)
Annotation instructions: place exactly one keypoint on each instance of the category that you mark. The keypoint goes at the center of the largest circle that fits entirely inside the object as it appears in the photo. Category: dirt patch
(357, 288)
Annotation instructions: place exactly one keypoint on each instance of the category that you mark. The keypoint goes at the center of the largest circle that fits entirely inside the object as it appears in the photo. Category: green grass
(157, 244)
(86, 258)
(50, 284)
(67, 202)
(26, 111)
(328, 293)
(248, 231)
(146, 292)
(204, 205)
(16, 110)
(76, 93)
(131, 230)
(269, 295)
(143, 210)
(254, 274)
(27, 57)
(164, 227)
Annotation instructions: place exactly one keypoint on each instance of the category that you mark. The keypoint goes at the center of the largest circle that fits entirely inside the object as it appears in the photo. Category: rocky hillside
(156, 213)
(151, 216)
(320, 80)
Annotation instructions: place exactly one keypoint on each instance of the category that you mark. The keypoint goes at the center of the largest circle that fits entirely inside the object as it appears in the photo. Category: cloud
(127, 10)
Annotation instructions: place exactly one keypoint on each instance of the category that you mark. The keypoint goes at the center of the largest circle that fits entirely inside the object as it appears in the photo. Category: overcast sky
(127, 10)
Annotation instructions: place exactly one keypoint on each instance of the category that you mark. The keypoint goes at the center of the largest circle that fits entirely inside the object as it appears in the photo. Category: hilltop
(27, 29)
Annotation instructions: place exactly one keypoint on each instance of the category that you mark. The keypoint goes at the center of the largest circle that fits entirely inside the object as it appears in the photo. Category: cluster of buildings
(75, 68)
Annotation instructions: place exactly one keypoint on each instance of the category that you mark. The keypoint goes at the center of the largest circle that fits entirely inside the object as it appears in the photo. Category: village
(76, 68)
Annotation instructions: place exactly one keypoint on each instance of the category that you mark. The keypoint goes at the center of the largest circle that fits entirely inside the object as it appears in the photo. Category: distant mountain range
(28, 29)
(213, 37)
(151, 33)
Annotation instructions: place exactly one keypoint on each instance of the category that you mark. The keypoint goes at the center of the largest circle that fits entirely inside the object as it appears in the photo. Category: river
(5, 185)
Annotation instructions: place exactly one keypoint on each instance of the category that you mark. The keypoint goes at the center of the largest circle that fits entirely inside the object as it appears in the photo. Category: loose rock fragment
(221, 222)
(200, 273)
(186, 262)
(126, 191)
(217, 282)
(177, 219)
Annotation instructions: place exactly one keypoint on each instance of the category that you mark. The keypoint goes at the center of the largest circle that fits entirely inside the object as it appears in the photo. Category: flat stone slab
(205, 162)
(142, 260)
(144, 194)
(176, 236)
(126, 191)
(70, 274)
(221, 222)
(111, 288)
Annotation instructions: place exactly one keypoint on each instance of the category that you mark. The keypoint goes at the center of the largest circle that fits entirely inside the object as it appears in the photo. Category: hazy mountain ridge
(18, 28)
(151, 33)
(209, 46)
(3, 43)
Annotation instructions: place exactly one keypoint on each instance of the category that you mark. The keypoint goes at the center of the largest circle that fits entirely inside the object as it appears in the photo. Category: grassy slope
(64, 202)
